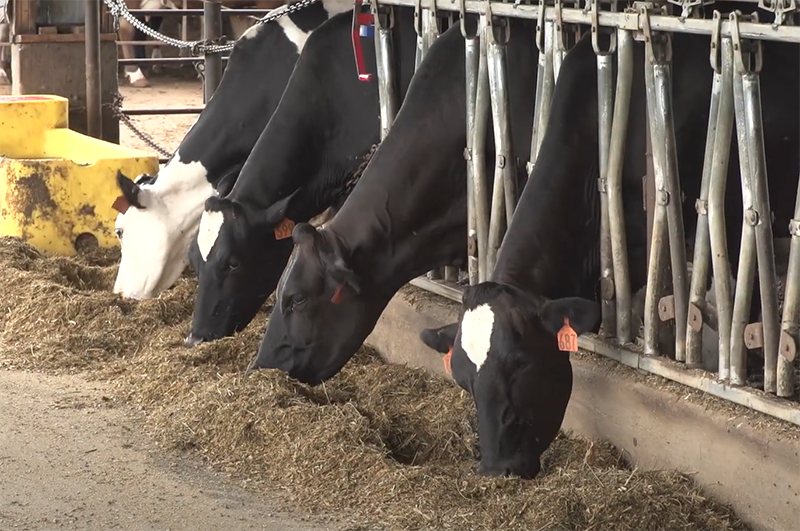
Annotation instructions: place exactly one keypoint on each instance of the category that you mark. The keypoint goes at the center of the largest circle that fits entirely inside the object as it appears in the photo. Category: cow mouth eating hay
(382, 445)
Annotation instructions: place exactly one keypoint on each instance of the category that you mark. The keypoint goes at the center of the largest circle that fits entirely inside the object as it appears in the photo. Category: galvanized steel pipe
(605, 102)
(212, 30)
(472, 56)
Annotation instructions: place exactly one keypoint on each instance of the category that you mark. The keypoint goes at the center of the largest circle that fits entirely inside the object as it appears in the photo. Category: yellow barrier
(56, 185)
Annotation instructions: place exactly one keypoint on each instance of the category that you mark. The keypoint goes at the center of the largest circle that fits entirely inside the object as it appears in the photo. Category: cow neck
(403, 218)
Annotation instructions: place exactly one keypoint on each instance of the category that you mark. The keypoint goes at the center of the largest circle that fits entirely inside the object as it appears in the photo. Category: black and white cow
(164, 215)
(405, 216)
(325, 123)
(505, 347)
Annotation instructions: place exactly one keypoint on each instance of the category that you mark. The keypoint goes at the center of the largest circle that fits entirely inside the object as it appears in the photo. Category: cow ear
(304, 233)
(277, 211)
(225, 184)
(583, 314)
(131, 192)
(440, 339)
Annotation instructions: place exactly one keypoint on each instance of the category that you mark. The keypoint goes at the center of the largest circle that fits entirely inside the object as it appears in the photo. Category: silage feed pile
(381, 445)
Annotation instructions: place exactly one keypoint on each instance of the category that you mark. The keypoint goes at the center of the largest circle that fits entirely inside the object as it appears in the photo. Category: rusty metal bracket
(595, 31)
(754, 48)
(787, 346)
(664, 39)
(754, 336)
(666, 308)
(695, 317)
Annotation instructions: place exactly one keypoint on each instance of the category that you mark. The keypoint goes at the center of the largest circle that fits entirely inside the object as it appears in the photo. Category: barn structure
(710, 337)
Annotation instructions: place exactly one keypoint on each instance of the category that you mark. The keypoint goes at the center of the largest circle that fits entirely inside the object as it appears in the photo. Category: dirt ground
(72, 458)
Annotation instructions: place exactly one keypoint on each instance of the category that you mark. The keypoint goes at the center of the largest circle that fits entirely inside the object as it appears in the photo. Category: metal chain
(117, 8)
(116, 108)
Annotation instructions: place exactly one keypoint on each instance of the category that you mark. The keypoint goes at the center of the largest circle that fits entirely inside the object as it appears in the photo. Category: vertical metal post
(791, 309)
(212, 30)
(758, 215)
(472, 55)
(94, 109)
(720, 261)
(545, 84)
(616, 156)
(605, 101)
(384, 55)
(702, 246)
(480, 181)
(184, 22)
(557, 33)
(497, 34)
(668, 214)
(497, 212)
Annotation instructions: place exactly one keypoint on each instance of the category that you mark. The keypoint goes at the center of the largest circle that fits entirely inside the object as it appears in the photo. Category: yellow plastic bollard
(56, 185)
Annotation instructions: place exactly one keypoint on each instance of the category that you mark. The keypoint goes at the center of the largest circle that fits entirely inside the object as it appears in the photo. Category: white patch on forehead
(210, 225)
(297, 36)
(476, 333)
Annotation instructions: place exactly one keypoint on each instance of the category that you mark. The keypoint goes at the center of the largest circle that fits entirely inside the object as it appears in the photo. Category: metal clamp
(559, 27)
(595, 31)
(754, 51)
(383, 16)
(649, 35)
(780, 8)
(462, 19)
(687, 6)
(498, 29)
(417, 17)
(716, 42)
(540, 26)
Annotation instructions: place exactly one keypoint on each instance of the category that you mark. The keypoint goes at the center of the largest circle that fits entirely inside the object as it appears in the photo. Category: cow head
(239, 254)
(504, 351)
(154, 226)
(319, 320)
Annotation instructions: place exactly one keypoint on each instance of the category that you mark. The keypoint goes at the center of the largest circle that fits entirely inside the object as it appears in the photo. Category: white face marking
(334, 7)
(476, 334)
(210, 225)
(155, 240)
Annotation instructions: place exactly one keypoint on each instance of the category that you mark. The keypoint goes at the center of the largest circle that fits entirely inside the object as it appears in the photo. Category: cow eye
(118, 232)
(298, 301)
(233, 264)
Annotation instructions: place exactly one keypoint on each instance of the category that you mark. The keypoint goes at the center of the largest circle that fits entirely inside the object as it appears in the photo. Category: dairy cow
(159, 218)
(405, 216)
(325, 123)
(507, 349)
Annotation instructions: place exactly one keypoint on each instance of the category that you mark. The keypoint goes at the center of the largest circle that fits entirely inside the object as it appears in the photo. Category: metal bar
(505, 168)
(702, 246)
(497, 210)
(212, 30)
(747, 251)
(765, 251)
(616, 156)
(621, 20)
(720, 262)
(548, 86)
(605, 101)
(164, 60)
(197, 12)
(94, 101)
(163, 111)
(791, 309)
(184, 22)
(472, 56)
(384, 55)
(481, 182)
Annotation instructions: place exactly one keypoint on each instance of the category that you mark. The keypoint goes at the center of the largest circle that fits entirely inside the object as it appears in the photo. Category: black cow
(504, 350)
(406, 216)
(324, 125)
(164, 215)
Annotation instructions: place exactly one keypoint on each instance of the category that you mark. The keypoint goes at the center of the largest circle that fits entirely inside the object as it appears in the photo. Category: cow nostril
(192, 340)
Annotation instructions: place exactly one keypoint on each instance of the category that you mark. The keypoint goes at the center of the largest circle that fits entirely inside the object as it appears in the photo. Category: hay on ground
(382, 445)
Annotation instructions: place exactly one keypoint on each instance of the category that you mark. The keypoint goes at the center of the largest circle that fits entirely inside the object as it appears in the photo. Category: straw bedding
(380, 445)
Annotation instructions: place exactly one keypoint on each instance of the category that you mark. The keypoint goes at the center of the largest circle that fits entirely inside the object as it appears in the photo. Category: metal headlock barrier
(206, 53)
(734, 104)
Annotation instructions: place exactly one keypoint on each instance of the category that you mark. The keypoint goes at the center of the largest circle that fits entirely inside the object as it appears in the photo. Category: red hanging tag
(567, 338)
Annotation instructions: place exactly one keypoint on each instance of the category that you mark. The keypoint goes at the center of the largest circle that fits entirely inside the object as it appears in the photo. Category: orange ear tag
(284, 229)
(567, 338)
(446, 361)
(121, 204)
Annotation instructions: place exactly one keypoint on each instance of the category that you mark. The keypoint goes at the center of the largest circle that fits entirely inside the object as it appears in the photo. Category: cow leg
(132, 72)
